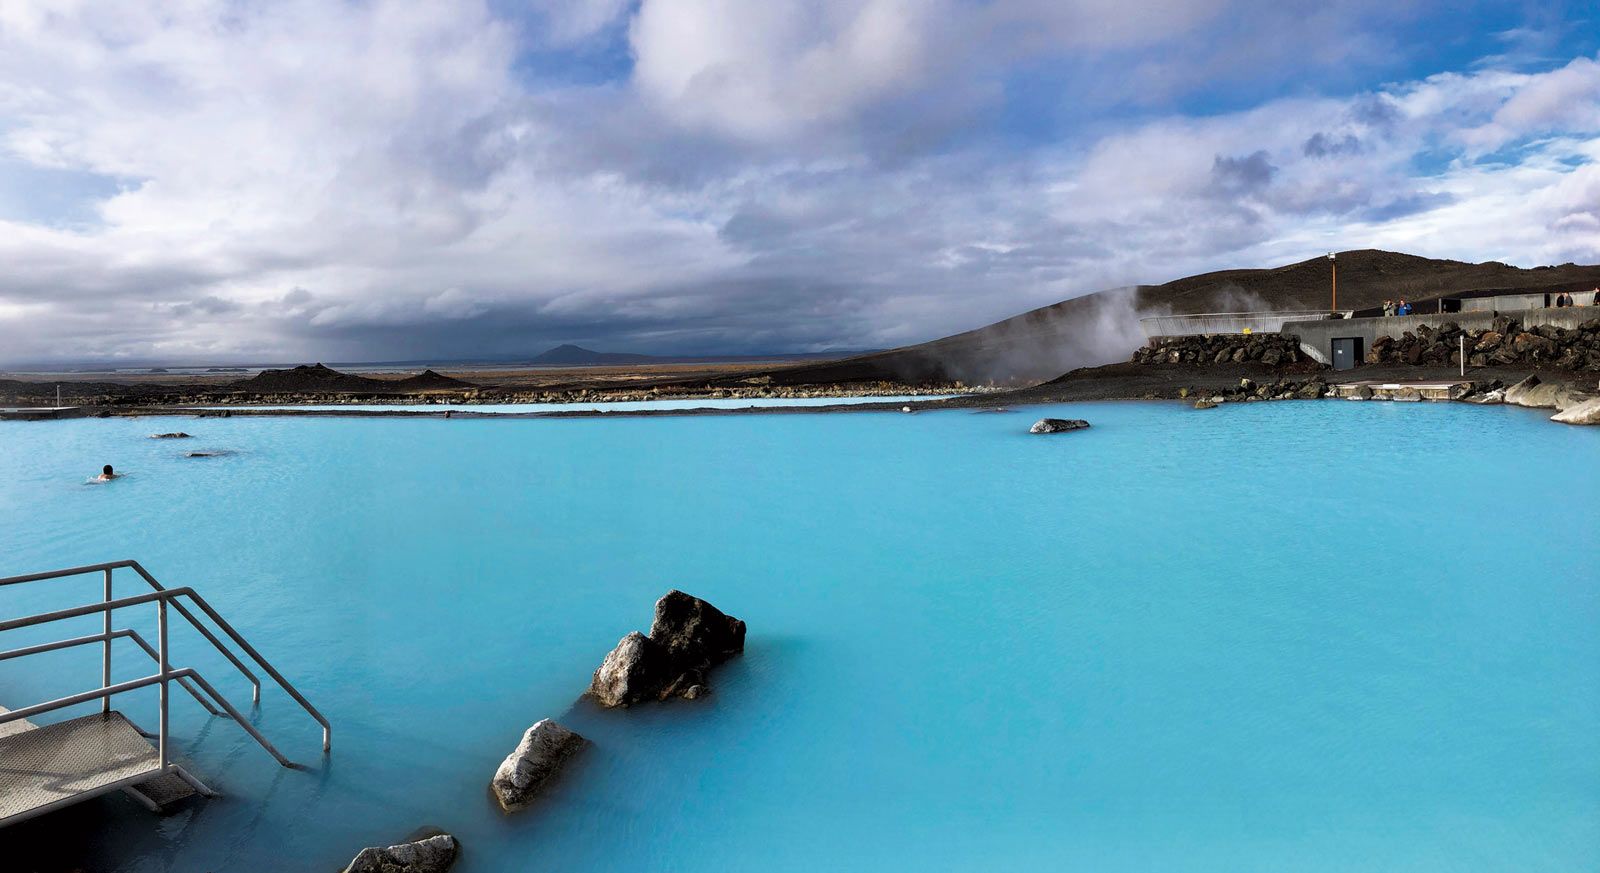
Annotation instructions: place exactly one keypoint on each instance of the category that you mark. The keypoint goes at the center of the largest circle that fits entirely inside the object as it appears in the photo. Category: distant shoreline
(1114, 382)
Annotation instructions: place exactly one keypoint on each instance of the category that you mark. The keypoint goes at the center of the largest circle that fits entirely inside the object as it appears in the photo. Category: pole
(105, 651)
(1463, 339)
(1335, 266)
(161, 629)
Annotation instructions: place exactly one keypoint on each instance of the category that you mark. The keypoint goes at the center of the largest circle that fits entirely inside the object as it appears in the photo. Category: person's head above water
(105, 472)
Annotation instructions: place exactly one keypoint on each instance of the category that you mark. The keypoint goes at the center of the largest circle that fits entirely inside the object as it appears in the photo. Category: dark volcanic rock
(693, 630)
(1057, 425)
(178, 435)
(1272, 350)
(428, 380)
(537, 760)
(1506, 344)
(687, 638)
(636, 670)
(432, 855)
(308, 378)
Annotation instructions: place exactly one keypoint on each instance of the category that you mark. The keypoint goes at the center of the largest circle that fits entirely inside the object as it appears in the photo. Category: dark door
(1346, 352)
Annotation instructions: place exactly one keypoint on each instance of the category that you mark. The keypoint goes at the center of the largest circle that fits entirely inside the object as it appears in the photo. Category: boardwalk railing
(1227, 322)
(180, 601)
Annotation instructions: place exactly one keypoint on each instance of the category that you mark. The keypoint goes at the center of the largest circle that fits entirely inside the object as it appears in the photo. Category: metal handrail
(130, 633)
(180, 675)
(108, 567)
(1264, 312)
(251, 651)
(163, 598)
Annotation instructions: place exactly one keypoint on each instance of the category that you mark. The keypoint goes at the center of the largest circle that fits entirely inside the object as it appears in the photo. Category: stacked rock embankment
(1505, 343)
(1271, 349)
(1249, 390)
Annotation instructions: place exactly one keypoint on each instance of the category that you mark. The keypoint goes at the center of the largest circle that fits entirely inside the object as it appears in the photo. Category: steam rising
(1033, 347)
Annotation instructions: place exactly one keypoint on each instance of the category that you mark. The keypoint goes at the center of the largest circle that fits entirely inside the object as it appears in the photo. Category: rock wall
(1506, 343)
(1272, 349)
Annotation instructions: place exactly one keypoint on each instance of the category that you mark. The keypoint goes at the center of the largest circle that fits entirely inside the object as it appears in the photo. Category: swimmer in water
(106, 475)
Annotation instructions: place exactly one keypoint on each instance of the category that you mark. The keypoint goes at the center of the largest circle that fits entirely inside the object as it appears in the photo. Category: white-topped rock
(435, 854)
(1587, 412)
(544, 750)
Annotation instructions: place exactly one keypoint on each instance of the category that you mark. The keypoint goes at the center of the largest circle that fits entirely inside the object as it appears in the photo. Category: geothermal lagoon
(1309, 636)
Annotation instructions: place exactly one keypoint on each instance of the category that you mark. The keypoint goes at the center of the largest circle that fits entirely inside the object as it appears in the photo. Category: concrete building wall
(1316, 337)
(1503, 302)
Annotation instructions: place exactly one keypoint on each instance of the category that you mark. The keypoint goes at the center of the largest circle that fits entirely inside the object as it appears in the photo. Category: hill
(577, 356)
(428, 380)
(310, 378)
(1103, 327)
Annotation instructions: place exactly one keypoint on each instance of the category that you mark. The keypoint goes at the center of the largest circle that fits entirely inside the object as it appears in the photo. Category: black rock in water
(687, 638)
(694, 630)
(1057, 425)
(636, 670)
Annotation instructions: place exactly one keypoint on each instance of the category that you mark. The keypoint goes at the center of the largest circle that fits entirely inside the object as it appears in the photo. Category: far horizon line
(103, 365)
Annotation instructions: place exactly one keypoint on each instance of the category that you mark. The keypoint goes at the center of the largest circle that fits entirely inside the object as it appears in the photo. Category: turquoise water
(1289, 636)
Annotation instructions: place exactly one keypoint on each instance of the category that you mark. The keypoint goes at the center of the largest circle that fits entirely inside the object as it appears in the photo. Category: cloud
(306, 180)
(1564, 99)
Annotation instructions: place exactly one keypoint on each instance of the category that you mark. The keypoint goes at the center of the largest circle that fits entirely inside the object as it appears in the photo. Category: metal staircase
(43, 768)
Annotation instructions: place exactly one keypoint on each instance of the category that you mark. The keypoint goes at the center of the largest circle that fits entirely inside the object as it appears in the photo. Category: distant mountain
(577, 356)
(1103, 327)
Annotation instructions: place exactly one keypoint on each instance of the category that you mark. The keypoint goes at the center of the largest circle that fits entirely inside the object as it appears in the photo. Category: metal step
(162, 792)
(56, 765)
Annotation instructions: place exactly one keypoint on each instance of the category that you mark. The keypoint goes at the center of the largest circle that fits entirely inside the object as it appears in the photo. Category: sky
(233, 181)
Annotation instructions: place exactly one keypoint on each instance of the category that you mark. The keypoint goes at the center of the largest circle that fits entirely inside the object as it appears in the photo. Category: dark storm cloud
(1245, 174)
(1323, 145)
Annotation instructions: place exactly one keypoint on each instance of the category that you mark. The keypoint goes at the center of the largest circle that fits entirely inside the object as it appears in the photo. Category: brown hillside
(1103, 327)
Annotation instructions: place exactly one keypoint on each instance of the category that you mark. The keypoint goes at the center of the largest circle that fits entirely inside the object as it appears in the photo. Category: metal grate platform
(58, 764)
(50, 767)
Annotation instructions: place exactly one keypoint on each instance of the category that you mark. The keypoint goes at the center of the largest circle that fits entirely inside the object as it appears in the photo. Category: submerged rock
(1057, 425)
(177, 435)
(523, 775)
(432, 855)
(1205, 403)
(687, 638)
(1587, 412)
